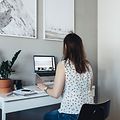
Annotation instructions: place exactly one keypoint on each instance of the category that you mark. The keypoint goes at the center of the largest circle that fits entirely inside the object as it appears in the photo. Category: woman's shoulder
(64, 62)
(61, 63)
(90, 68)
(88, 64)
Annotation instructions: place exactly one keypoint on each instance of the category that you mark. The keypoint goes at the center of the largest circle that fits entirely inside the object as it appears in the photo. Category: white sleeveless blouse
(76, 90)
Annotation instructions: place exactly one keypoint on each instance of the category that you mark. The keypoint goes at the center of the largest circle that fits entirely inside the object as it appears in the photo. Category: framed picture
(58, 19)
(18, 18)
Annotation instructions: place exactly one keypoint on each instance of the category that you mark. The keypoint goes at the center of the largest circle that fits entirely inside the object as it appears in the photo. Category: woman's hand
(40, 83)
(41, 86)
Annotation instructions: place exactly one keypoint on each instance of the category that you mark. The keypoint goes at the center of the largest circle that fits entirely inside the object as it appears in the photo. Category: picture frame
(18, 18)
(58, 19)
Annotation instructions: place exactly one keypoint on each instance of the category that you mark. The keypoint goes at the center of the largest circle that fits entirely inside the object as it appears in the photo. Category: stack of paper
(24, 92)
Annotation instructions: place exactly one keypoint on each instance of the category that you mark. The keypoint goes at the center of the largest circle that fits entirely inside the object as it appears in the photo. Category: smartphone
(25, 90)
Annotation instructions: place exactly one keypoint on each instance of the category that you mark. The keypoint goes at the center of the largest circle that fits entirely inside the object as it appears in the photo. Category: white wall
(108, 54)
(85, 25)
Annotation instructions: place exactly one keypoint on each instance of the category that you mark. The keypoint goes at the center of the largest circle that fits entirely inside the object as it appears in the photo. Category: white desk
(14, 103)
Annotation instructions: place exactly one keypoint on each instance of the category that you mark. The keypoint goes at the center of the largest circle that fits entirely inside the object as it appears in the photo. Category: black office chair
(98, 111)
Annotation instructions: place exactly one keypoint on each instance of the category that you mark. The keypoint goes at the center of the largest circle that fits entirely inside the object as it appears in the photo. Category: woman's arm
(59, 81)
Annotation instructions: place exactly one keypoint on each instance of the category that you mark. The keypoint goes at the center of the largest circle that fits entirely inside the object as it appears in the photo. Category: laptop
(44, 68)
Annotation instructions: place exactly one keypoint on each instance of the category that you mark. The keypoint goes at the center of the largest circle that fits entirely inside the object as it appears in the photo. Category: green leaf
(6, 66)
(15, 57)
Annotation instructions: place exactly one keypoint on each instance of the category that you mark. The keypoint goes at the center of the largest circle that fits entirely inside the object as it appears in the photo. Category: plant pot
(5, 86)
(5, 90)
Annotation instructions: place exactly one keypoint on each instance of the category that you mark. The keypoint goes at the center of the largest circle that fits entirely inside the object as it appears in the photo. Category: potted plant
(5, 72)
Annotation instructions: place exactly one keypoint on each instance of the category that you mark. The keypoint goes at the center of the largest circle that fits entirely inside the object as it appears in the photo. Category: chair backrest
(98, 111)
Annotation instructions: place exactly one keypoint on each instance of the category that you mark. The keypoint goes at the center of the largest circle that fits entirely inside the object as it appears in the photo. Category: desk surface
(13, 97)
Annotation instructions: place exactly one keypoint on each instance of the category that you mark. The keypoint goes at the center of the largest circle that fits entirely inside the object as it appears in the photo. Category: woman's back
(72, 80)
(76, 90)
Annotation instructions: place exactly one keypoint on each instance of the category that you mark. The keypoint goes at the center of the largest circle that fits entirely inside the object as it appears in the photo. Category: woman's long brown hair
(73, 50)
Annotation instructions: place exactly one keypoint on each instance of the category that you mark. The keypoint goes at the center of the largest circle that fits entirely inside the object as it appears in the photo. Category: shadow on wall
(103, 89)
(108, 85)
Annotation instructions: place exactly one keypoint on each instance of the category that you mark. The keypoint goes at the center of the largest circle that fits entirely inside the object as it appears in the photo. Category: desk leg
(3, 115)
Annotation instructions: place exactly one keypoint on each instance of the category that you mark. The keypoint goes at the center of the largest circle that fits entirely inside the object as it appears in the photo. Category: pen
(10, 93)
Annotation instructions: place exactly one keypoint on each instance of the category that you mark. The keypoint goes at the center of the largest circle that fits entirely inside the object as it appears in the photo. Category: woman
(73, 80)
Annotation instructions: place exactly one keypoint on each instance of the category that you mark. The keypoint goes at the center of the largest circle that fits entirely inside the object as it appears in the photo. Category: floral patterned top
(76, 90)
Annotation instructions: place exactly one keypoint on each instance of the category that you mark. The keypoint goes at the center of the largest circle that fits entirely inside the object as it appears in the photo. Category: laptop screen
(44, 65)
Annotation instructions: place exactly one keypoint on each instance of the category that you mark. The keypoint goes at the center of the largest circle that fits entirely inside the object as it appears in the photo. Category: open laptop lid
(44, 65)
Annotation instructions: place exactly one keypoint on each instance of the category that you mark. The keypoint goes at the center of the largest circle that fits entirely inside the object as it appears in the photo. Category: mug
(17, 84)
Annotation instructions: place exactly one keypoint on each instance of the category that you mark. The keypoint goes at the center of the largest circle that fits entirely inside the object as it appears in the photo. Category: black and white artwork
(58, 19)
(18, 18)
